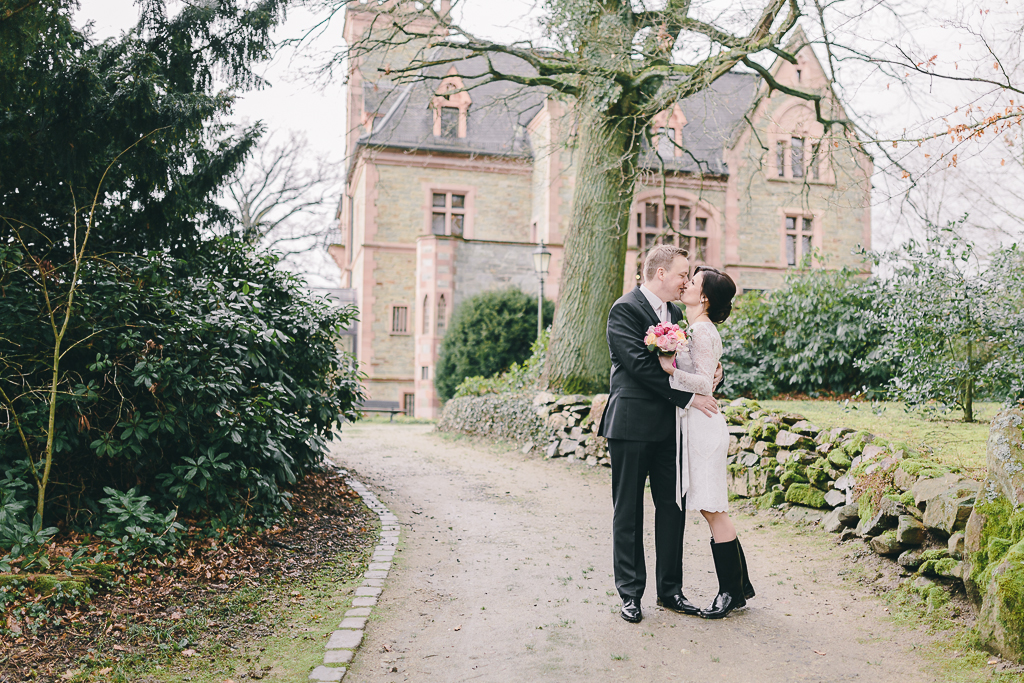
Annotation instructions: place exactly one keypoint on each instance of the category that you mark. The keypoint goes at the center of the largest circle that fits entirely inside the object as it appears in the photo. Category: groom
(639, 423)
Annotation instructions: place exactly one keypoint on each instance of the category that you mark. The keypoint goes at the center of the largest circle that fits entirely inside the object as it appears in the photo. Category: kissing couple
(662, 422)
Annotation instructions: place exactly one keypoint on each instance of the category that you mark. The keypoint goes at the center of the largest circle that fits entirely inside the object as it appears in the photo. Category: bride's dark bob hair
(719, 289)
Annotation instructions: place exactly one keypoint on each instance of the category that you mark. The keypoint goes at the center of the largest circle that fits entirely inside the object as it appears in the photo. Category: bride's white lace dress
(702, 441)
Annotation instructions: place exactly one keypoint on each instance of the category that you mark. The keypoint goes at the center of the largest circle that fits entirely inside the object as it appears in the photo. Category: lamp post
(541, 259)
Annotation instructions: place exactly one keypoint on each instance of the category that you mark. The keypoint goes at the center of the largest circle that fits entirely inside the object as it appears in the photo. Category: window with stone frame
(442, 314)
(409, 405)
(796, 149)
(450, 122)
(791, 158)
(448, 213)
(799, 239)
(675, 223)
(426, 314)
(399, 320)
(665, 142)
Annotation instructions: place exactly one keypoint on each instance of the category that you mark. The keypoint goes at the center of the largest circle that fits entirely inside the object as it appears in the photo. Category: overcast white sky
(950, 29)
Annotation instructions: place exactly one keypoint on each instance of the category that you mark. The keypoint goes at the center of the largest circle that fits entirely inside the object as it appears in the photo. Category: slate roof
(501, 111)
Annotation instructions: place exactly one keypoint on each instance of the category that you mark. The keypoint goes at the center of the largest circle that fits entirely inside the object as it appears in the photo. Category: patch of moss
(790, 478)
(735, 468)
(755, 428)
(865, 504)
(804, 494)
(50, 584)
(937, 598)
(818, 478)
(770, 499)
(855, 446)
(769, 432)
(1010, 593)
(839, 459)
(820, 463)
(907, 499)
(934, 554)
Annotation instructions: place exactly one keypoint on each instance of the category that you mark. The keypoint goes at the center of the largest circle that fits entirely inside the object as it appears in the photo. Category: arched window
(426, 314)
(442, 308)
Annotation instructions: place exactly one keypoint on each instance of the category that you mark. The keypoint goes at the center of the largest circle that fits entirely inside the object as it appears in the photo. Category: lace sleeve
(704, 355)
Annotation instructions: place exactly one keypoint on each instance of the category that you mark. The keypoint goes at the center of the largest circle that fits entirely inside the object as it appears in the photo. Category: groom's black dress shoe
(678, 603)
(631, 610)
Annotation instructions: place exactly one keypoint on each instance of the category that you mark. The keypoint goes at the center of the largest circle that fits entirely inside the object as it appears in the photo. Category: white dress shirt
(659, 306)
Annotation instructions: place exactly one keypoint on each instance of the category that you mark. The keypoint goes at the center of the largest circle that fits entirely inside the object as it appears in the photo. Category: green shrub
(804, 337)
(207, 385)
(521, 377)
(954, 323)
(488, 334)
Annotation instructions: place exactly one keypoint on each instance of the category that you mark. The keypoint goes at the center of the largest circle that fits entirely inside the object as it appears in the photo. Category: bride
(703, 442)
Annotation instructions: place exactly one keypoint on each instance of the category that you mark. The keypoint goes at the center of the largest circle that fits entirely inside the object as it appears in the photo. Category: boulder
(557, 422)
(747, 443)
(802, 515)
(791, 418)
(845, 482)
(837, 433)
(552, 451)
(597, 407)
(748, 483)
(835, 498)
(847, 535)
(948, 512)
(794, 441)
(573, 400)
(568, 446)
(804, 457)
(993, 570)
(766, 449)
(769, 431)
(885, 517)
(737, 429)
(734, 445)
(904, 480)
(849, 514)
(887, 544)
(823, 448)
(909, 531)
(910, 559)
(956, 545)
(925, 490)
(544, 398)
(831, 523)
(748, 458)
(872, 452)
(804, 494)
(782, 457)
(576, 433)
(804, 427)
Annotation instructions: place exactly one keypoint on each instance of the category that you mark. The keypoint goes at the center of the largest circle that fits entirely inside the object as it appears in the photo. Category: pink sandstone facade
(447, 196)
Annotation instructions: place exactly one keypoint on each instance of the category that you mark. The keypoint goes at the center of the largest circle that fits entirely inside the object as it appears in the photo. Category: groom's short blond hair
(661, 256)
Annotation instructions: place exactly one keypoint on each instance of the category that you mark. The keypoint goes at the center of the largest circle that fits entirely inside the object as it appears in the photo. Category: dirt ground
(504, 573)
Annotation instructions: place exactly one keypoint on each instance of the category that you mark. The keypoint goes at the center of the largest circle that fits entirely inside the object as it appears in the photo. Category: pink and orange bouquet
(665, 338)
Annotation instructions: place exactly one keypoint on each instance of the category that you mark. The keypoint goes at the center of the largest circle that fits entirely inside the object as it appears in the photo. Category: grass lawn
(946, 437)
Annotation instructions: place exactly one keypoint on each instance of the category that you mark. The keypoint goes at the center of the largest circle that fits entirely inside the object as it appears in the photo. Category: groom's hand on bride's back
(718, 376)
(705, 404)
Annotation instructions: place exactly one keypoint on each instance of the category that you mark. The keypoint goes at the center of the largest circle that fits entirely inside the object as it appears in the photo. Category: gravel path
(503, 573)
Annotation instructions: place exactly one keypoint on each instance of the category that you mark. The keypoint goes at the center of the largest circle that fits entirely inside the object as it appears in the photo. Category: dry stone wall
(904, 507)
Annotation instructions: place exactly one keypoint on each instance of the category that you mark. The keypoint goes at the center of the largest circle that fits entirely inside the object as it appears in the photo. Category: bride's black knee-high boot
(729, 568)
(748, 589)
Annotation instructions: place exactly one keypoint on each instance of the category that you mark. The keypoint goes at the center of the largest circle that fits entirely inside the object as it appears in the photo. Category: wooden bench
(382, 407)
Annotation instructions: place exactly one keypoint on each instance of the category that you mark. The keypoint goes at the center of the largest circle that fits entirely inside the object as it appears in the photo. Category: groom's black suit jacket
(641, 404)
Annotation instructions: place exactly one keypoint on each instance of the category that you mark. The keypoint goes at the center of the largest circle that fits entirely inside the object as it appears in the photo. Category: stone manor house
(451, 185)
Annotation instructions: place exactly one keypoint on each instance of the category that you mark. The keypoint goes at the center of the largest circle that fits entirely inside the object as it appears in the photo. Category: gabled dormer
(450, 106)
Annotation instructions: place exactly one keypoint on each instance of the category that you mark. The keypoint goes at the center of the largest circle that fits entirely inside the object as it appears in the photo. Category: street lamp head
(541, 259)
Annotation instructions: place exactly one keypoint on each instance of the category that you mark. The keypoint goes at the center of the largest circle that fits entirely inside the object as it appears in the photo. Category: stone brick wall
(392, 353)
(483, 266)
(501, 202)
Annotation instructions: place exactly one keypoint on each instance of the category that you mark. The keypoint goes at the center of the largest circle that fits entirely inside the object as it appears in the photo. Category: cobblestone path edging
(343, 643)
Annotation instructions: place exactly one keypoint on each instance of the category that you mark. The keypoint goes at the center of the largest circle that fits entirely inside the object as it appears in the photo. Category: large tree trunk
(595, 250)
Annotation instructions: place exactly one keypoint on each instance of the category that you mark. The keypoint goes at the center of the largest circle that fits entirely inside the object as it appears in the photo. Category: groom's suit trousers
(632, 463)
